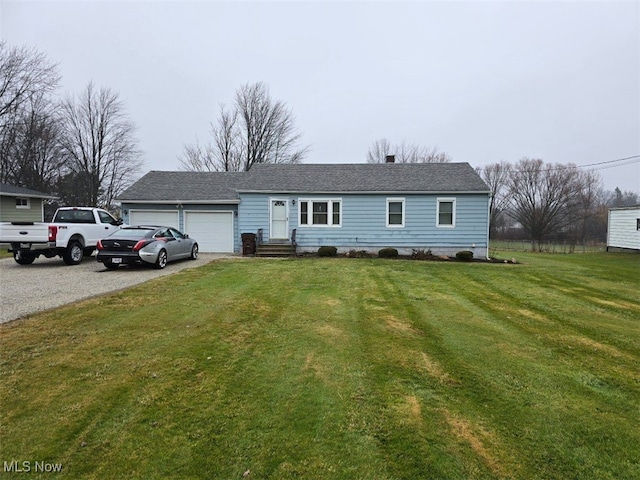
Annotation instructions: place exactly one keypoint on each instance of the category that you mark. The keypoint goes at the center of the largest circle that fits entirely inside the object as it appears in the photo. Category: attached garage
(204, 205)
(154, 217)
(213, 230)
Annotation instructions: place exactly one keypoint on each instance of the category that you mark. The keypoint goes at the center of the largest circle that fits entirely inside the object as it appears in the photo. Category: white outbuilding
(624, 228)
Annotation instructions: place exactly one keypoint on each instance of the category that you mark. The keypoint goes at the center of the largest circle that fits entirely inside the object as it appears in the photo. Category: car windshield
(133, 232)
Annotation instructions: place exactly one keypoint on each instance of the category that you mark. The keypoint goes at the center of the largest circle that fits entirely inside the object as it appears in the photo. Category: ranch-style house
(442, 207)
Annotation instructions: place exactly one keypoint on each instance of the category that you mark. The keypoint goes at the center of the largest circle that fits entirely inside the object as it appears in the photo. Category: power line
(608, 164)
(603, 165)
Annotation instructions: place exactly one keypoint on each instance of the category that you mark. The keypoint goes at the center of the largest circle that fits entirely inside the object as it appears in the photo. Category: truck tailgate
(24, 232)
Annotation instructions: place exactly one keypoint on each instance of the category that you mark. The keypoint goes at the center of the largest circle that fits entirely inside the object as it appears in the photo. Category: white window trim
(310, 201)
(453, 219)
(395, 200)
(28, 204)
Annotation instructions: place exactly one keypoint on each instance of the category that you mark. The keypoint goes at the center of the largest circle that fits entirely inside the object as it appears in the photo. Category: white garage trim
(213, 230)
(168, 218)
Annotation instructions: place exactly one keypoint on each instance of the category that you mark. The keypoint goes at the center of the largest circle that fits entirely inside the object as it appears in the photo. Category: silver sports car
(147, 245)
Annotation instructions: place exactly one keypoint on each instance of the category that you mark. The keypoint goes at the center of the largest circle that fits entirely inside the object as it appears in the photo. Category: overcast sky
(482, 81)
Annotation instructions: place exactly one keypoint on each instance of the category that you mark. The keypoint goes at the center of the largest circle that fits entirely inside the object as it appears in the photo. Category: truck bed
(25, 232)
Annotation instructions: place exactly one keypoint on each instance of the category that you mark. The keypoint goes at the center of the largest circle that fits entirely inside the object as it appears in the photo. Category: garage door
(154, 217)
(212, 230)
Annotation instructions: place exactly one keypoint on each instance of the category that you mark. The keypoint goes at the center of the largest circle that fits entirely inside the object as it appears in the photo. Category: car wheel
(74, 254)
(161, 262)
(110, 266)
(23, 258)
(194, 252)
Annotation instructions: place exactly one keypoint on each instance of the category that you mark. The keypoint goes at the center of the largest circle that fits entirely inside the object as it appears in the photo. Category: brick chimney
(390, 159)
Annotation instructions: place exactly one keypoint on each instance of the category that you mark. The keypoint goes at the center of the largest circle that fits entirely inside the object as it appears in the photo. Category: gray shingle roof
(6, 189)
(365, 177)
(157, 186)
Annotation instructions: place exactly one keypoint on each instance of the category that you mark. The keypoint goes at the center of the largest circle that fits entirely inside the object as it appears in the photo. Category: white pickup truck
(73, 233)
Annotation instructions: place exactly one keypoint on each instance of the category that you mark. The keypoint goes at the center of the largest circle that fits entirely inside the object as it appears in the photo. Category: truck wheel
(23, 258)
(162, 259)
(74, 254)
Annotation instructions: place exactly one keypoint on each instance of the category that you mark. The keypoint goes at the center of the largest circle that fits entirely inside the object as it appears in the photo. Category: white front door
(279, 220)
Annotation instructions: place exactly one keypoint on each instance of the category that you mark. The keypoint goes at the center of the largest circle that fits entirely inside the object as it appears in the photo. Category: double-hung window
(22, 202)
(446, 212)
(395, 212)
(320, 212)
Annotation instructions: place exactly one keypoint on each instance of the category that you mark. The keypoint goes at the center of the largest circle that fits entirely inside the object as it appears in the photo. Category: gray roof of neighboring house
(12, 190)
(157, 186)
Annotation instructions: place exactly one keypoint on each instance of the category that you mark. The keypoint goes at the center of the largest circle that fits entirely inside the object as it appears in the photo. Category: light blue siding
(364, 224)
(254, 213)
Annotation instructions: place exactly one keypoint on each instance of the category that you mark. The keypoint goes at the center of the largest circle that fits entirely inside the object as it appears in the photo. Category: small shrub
(464, 256)
(388, 253)
(327, 251)
(358, 254)
(421, 254)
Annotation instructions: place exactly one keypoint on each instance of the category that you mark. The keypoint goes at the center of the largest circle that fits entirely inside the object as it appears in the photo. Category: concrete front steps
(275, 250)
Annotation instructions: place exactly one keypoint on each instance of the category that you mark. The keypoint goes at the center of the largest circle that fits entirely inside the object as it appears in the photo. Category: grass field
(501, 247)
(335, 369)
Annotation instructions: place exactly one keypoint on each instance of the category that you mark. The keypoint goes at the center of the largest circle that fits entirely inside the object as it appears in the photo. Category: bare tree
(99, 146)
(24, 73)
(618, 198)
(27, 78)
(223, 154)
(379, 151)
(496, 176)
(268, 133)
(587, 198)
(226, 141)
(541, 196)
(30, 150)
(405, 153)
(198, 158)
(256, 130)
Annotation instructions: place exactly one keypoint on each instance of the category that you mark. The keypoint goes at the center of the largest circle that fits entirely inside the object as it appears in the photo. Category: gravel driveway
(49, 283)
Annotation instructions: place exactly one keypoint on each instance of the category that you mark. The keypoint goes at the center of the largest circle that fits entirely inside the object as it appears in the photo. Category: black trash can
(248, 244)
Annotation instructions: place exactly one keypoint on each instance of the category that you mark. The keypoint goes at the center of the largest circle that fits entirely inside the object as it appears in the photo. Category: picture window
(320, 213)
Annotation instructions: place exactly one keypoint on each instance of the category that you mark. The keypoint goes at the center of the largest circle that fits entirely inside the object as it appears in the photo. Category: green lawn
(335, 369)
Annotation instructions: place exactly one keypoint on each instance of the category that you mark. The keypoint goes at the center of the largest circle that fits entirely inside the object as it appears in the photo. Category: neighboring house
(19, 204)
(438, 206)
(624, 228)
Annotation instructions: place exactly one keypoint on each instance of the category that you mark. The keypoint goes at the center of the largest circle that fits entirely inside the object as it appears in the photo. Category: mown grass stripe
(337, 368)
